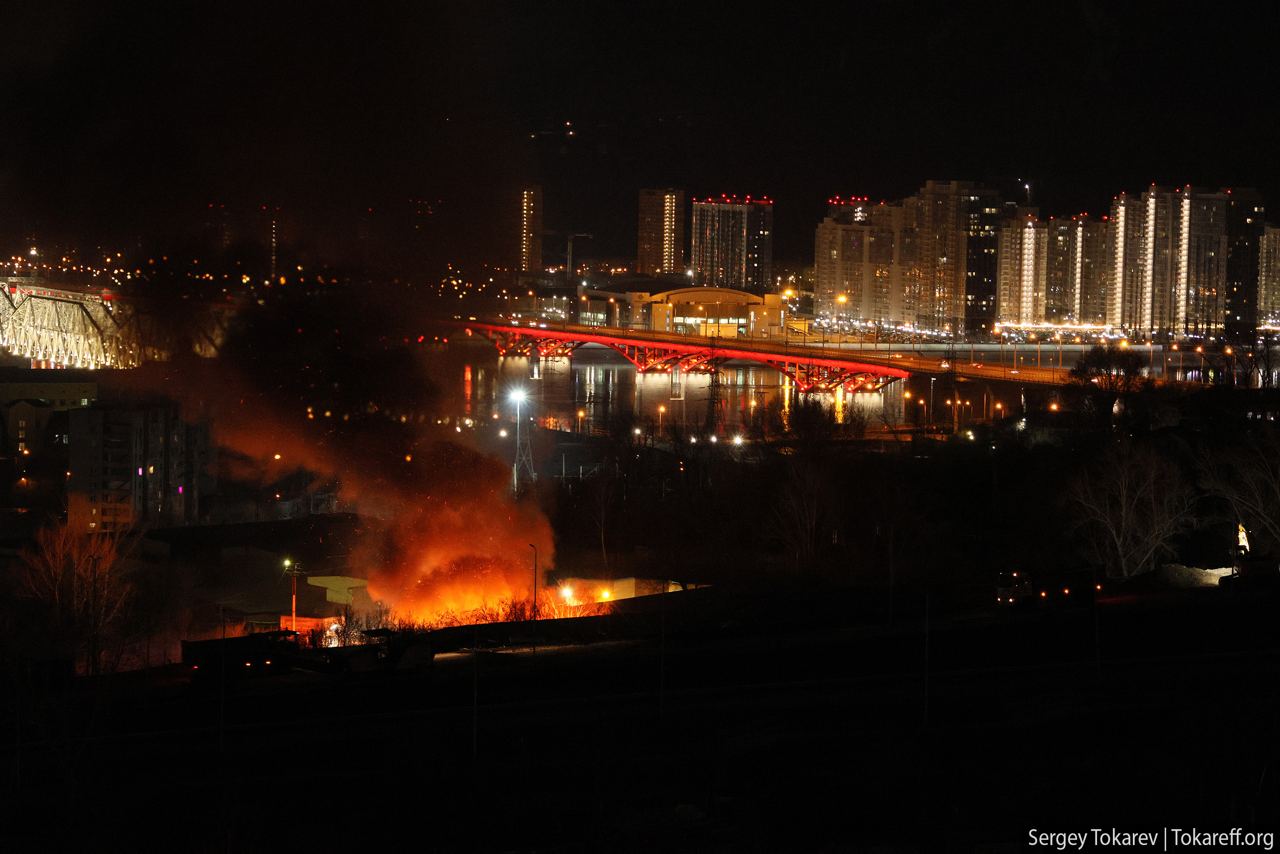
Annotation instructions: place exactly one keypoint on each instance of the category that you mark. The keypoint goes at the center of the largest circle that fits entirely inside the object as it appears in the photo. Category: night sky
(122, 122)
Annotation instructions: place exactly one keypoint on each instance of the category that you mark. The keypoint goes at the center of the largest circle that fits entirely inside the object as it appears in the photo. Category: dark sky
(122, 121)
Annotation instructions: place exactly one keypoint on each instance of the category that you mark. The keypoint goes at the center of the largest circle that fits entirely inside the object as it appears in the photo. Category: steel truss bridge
(79, 326)
(812, 365)
(810, 368)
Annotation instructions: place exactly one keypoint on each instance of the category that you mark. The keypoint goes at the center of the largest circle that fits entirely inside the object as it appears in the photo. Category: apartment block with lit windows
(732, 243)
(136, 463)
(660, 240)
(530, 249)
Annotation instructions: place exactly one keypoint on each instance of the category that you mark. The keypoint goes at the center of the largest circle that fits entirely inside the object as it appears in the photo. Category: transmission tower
(522, 469)
(715, 403)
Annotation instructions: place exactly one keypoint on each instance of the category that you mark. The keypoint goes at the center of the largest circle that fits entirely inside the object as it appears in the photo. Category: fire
(473, 589)
(501, 611)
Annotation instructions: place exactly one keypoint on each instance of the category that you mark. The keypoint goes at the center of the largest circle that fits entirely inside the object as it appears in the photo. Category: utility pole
(293, 570)
(524, 453)
(568, 267)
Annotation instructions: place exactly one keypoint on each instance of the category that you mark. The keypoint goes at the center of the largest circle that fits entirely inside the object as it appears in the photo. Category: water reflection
(604, 388)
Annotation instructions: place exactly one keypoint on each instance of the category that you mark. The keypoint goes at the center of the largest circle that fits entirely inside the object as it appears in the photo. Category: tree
(601, 498)
(1110, 369)
(1130, 506)
(800, 514)
(80, 580)
(1246, 474)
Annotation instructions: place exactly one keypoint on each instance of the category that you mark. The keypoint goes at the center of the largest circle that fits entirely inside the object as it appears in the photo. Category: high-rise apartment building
(660, 241)
(133, 464)
(950, 260)
(1242, 294)
(1269, 279)
(1061, 285)
(1200, 265)
(1090, 270)
(958, 233)
(1180, 258)
(1122, 300)
(1076, 270)
(865, 254)
(840, 260)
(1022, 278)
(732, 243)
(531, 230)
(1156, 260)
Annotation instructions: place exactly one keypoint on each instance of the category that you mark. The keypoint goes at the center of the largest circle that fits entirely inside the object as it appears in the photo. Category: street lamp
(662, 410)
(518, 396)
(582, 413)
(293, 570)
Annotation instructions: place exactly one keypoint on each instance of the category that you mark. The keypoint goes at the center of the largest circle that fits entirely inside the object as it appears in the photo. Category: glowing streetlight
(292, 570)
(518, 396)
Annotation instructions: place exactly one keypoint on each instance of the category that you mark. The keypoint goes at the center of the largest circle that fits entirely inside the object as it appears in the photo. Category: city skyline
(158, 140)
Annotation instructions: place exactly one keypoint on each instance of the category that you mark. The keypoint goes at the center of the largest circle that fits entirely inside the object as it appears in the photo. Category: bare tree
(799, 514)
(1117, 370)
(1247, 476)
(1130, 506)
(1262, 361)
(601, 497)
(80, 580)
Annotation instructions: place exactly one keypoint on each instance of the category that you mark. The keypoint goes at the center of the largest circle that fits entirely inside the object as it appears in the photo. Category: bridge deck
(884, 360)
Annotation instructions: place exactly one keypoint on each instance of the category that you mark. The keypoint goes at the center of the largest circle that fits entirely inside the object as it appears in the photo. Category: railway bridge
(84, 325)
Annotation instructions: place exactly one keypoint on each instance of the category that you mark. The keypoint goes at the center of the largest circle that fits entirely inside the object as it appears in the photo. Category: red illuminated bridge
(810, 368)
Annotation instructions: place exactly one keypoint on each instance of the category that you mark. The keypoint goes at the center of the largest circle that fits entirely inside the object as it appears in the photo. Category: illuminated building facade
(958, 233)
(1122, 301)
(1269, 279)
(660, 241)
(1089, 270)
(1201, 265)
(732, 243)
(531, 230)
(840, 260)
(1242, 293)
(1022, 278)
(1185, 262)
(1061, 288)
(865, 254)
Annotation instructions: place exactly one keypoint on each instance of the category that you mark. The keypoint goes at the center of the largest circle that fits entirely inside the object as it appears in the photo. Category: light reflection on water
(604, 387)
